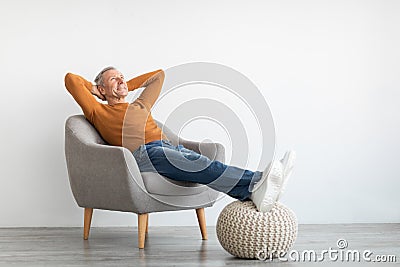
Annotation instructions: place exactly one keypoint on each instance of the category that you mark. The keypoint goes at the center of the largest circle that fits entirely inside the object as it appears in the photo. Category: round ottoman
(246, 233)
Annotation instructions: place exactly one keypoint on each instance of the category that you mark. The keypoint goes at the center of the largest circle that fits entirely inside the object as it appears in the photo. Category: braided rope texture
(245, 232)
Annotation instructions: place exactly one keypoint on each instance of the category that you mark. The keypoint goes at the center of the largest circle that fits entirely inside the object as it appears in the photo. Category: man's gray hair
(99, 78)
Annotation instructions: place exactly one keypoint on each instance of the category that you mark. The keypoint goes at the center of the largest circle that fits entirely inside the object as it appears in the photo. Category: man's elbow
(161, 74)
(67, 78)
(70, 80)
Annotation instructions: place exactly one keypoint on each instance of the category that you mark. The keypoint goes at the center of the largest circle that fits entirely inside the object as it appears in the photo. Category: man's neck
(114, 101)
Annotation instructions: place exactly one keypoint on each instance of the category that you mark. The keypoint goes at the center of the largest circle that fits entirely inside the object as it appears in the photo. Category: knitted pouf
(246, 233)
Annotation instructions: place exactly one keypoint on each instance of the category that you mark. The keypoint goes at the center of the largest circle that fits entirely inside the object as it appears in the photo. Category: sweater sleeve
(80, 88)
(153, 88)
(139, 81)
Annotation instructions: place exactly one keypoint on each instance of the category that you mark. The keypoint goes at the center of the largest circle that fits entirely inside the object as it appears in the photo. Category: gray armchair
(107, 177)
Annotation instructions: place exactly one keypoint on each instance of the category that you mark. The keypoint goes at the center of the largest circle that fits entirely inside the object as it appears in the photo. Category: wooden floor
(177, 246)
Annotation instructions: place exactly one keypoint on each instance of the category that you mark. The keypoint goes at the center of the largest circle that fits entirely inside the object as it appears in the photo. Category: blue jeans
(181, 164)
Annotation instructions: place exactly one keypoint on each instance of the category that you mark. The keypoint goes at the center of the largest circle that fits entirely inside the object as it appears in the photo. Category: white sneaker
(287, 169)
(266, 191)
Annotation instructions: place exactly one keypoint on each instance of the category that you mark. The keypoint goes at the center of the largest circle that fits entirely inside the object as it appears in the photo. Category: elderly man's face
(114, 85)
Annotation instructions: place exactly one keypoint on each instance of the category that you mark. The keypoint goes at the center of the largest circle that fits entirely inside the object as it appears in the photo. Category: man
(131, 125)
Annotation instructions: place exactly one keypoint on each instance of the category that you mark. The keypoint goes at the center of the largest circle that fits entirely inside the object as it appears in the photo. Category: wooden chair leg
(147, 223)
(142, 223)
(202, 223)
(86, 222)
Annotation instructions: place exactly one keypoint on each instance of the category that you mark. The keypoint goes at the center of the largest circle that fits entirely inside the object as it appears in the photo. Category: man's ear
(101, 89)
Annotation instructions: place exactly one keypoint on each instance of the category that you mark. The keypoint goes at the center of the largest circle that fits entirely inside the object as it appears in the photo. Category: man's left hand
(95, 91)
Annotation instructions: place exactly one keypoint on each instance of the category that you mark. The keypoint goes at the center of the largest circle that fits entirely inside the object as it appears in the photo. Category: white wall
(328, 69)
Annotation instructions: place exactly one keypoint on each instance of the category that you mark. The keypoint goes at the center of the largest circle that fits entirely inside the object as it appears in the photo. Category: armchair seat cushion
(160, 185)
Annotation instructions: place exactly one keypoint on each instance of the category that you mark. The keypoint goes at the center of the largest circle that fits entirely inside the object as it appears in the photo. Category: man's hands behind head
(95, 91)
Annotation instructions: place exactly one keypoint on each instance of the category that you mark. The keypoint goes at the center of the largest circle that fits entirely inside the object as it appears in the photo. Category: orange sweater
(125, 124)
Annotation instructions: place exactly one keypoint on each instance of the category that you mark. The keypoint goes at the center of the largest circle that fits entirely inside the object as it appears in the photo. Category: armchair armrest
(214, 151)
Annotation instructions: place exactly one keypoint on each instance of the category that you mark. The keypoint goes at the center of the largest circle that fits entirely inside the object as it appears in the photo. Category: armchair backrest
(82, 129)
(96, 170)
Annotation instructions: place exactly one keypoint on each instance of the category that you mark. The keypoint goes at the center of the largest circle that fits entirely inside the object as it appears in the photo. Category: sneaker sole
(274, 182)
(288, 164)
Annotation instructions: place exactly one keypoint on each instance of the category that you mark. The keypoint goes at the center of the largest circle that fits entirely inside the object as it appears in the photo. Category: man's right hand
(95, 91)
